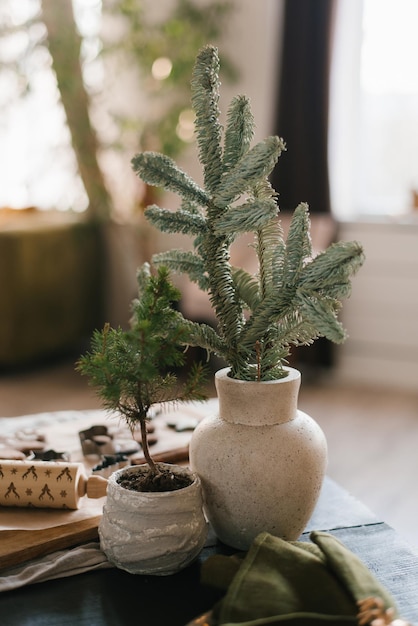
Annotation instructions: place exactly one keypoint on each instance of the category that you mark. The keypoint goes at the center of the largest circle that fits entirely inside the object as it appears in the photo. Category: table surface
(111, 597)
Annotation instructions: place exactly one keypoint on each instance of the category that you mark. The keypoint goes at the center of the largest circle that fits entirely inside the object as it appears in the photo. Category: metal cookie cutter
(109, 464)
(97, 440)
(48, 455)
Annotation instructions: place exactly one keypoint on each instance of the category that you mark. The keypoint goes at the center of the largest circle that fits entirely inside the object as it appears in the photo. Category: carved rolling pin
(44, 484)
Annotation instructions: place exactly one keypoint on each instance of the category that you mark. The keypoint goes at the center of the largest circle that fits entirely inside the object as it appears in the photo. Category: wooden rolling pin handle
(92, 487)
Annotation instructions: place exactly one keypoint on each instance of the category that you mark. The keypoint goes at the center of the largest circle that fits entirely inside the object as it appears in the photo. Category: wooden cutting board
(18, 546)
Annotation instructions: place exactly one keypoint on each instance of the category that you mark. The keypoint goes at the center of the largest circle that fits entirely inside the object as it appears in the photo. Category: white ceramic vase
(261, 461)
(155, 533)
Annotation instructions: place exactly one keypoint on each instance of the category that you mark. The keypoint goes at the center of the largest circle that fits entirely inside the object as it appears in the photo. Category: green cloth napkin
(298, 583)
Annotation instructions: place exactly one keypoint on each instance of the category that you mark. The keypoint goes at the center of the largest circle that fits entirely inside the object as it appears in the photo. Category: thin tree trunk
(64, 46)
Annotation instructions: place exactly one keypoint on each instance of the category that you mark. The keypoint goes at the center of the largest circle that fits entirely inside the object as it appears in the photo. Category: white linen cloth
(59, 564)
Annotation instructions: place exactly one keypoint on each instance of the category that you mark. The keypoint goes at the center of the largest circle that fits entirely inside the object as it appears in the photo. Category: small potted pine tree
(292, 299)
(152, 520)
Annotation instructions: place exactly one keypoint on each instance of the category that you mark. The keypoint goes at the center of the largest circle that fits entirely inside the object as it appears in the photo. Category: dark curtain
(301, 174)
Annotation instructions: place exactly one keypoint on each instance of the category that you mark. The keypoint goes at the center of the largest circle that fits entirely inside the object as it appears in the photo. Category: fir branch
(298, 245)
(179, 221)
(247, 217)
(247, 287)
(205, 97)
(270, 249)
(274, 307)
(294, 329)
(257, 163)
(272, 358)
(190, 207)
(333, 267)
(269, 244)
(192, 389)
(321, 313)
(131, 370)
(239, 131)
(222, 292)
(143, 276)
(203, 336)
(292, 299)
(184, 262)
(160, 170)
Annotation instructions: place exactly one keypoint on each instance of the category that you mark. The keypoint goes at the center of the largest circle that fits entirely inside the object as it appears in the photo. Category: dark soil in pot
(165, 480)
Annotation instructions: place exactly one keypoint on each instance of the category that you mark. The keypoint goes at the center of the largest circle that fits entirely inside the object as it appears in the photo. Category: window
(374, 108)
(37, 164)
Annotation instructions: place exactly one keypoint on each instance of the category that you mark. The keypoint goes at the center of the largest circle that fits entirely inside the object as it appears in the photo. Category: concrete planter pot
(261, 460)
(156, 533)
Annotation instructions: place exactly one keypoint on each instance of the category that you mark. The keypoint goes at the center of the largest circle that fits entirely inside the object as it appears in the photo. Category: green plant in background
(162, 45)
(133, 370)
(293, 298)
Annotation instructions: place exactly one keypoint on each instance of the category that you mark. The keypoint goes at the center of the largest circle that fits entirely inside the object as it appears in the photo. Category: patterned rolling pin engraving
(44, 484)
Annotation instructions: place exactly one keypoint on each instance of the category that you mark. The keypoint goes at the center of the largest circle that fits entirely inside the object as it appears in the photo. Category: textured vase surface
(152, 532)
(261, 460)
